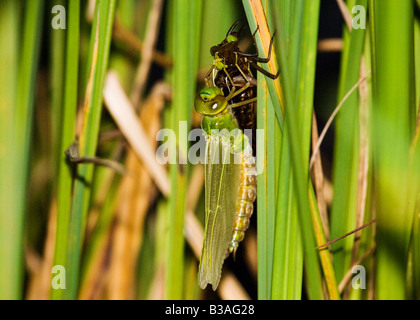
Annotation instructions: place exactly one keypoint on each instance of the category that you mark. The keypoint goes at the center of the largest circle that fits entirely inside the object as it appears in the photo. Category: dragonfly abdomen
(246, 197)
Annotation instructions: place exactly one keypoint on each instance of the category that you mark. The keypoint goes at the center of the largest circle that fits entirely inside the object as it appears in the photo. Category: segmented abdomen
(246, 197)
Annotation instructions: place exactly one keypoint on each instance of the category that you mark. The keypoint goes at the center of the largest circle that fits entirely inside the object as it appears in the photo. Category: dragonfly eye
(208, 94)
(210, 101)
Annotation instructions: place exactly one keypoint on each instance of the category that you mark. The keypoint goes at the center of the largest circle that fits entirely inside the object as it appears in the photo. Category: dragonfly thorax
(219, 122)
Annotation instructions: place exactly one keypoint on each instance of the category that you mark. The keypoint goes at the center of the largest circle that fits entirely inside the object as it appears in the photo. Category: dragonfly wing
(221, 194)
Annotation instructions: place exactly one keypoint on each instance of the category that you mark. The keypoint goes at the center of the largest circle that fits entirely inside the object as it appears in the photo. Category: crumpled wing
(222, 178)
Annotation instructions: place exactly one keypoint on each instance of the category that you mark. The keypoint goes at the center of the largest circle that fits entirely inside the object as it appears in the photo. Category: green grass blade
(393, 123)
(305, 95)
(57, 65)
(21, 130)
(416, 222)
(186, 27)
(312, 267)
(106, 182)
(10, 275)
(300, 18)
(268, 108)
(288, 263)
(102, 31)
(266, 191)
(67, 122)
(126, 15)
(417, 57)
(262, 222)
(346, 155)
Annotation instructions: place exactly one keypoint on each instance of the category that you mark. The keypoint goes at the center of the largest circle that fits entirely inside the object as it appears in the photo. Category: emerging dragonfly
(231, 70)
(227, 104)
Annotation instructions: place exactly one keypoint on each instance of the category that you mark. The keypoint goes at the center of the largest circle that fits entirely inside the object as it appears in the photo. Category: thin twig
(330, 120)
(346, 235)
(147, 52)
(345, 13)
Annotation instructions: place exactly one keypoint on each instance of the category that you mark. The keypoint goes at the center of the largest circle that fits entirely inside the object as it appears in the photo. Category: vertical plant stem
(10, 223)
(266, 190)
(268, 108)
(147, 51)
(294, 132)
(393, 123)
(67, 123)
(21, 130)
(186, 22)
(346, 151)
(416, 221)
(288, 262)
(100, 44)
(57, 60)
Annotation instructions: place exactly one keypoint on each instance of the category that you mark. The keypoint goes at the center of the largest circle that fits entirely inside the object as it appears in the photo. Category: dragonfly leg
(255, 32)
(212, 73)
(232, 92)
(235, 92)
(265, 72)
(232, 28)
(255, 56)
(256, 48)
(242, 103)
(239, 68)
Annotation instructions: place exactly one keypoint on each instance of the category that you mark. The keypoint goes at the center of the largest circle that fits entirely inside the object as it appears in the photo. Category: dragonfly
(231, 70)
(227, 104)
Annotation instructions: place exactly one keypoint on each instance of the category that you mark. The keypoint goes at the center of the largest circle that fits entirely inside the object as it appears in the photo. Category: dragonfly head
(210, 101)
(231, 40)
